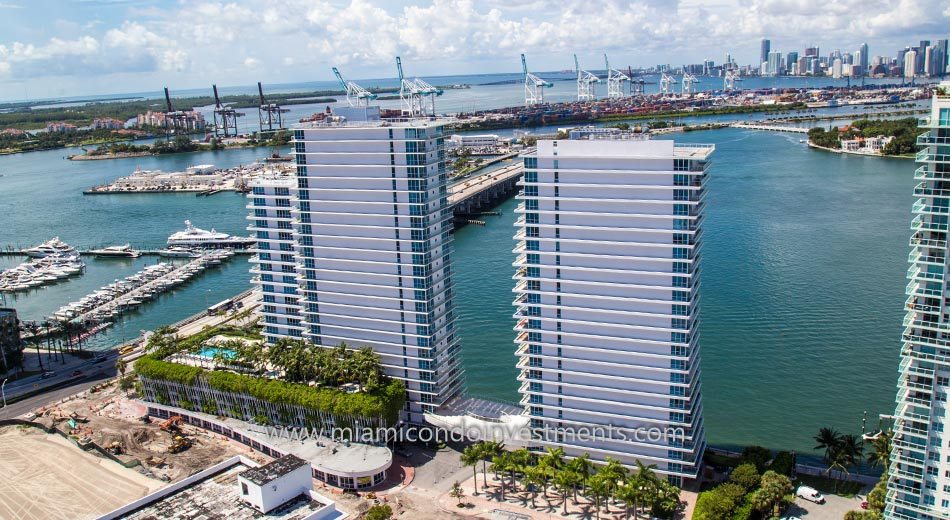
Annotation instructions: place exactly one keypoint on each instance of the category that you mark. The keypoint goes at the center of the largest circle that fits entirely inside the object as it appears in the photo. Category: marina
(123, 295)
(41, 271)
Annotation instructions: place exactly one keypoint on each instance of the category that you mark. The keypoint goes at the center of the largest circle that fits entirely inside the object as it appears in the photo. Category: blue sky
(76, 47)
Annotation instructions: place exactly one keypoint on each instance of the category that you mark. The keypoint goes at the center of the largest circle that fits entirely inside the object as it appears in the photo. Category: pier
(482, 192)
(770, 128)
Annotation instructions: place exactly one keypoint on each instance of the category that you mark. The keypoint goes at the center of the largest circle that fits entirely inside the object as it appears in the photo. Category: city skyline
(92, 46)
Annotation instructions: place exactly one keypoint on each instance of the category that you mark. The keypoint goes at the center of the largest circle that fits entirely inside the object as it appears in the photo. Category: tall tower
(919, 474)
(607, 302)
(356, 249)
(766, 47)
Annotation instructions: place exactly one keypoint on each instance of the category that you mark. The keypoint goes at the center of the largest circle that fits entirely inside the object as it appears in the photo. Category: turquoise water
(802, 285)
(210, 352)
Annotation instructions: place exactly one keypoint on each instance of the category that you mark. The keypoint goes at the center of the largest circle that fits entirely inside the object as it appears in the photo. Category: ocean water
(802, 282)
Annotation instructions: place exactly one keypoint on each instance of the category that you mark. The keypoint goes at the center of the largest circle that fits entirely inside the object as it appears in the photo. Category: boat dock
(15, 251)
(202, 180)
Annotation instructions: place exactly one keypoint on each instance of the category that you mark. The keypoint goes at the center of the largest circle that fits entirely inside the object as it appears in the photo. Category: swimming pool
(211, 352)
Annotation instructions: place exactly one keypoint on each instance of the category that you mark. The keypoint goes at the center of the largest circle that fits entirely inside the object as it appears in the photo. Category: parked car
(810, 494)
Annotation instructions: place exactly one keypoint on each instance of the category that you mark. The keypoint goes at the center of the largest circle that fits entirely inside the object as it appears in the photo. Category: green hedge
(385, 402)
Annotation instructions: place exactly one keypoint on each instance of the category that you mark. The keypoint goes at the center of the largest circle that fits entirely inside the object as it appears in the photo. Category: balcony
(917, 256)
(919, 240)
(928, 138)
(921, 224)
(928, 156)
(922, 208)
(916, 273)
(922, 190)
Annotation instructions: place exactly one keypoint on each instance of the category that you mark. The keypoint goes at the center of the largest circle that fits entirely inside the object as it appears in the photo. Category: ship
(200, 238)
(125, 251)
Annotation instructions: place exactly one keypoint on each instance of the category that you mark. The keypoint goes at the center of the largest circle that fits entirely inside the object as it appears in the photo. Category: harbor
(201, 179)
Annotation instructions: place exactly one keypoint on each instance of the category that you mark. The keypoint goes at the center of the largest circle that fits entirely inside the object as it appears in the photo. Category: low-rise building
(107, 123)
(59, 126)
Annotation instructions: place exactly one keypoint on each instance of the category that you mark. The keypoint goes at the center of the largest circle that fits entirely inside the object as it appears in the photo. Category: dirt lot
(47, 477)
(112, 418)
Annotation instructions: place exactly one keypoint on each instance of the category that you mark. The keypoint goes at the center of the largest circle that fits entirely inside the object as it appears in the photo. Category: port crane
(356, 95)
(729, 81)
(585, 83)
(228, 117)
(174, 119)
(269, 113)
(689, 83)
(533, 86)
(412, 93)
(615, 80)
(667, 84)
(636, 84)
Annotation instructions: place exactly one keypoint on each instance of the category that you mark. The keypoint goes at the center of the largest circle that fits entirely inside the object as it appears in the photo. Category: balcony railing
(921, 224)
(928, 138)
(928, 156)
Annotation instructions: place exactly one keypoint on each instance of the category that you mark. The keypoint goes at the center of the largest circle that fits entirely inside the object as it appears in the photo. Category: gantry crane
(615, 80)
(228, 116)
(533, 86)
(269, 113)
(412, 93)
(356, 95)
(585, 83)
(689, 83)
(174, 119)
(667, 84)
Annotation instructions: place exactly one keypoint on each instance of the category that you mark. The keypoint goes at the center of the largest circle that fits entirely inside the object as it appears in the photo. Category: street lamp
(2, 393)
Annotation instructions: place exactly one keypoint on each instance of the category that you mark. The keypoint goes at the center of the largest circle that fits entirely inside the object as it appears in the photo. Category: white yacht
(54, 246)
(178, 252)
(125, 251)
(200, 238)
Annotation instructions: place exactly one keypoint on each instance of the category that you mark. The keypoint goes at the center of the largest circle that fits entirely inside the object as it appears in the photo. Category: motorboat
(124, 251)
(53, 246)
(200, 238)
(178, 252)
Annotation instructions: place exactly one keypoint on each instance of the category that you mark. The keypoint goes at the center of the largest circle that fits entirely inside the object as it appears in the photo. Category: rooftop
(414, 122)
(273, 470)
(217, 496)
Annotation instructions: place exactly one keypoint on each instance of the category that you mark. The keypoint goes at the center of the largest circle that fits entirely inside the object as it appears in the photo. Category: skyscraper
(764, 51)
(910, 64)
(607, 297)
(371, 245)
(776, 64)
(940, 58)
(791, 59)
(864, 58)
(918, 483)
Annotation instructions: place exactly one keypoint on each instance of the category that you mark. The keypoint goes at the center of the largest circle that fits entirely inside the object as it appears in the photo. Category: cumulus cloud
(212, 39)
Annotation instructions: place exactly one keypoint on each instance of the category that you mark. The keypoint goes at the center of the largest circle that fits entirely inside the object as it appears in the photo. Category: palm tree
(629, 493)
(471, 455)
(827, 439)
(533, 477)
(837, 459)
(551, 462)
(489, 450)
(880, 454)
(502, 463)
(853, 446)
(566, 480)
(772, 488)
(614, 475)
(597, 487)
(584, 468)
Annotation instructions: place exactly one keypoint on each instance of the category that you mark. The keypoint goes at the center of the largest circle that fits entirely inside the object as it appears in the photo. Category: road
(106, 372)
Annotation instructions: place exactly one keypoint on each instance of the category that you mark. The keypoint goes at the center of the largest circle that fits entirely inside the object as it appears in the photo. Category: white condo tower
(607, 297)
(372, 242)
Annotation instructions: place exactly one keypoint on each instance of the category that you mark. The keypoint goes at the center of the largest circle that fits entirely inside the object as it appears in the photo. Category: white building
(919, 475)
(477, 141)
(274, 261)
(910, 64)
(607, 302)
(369, 255)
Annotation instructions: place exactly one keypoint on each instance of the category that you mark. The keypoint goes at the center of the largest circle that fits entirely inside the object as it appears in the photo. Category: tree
(489, 450)
(718, 503)
(584, 468)
(827, 439)
(598, 488)
(630, 494)
(880, 452)
(502, 463)
(457, 492)
(534, 478)
(614, 474)
(877, 496)
(838, 459)
(863, 515)
(471, 456)
(772, 489)
(379, 512)
(745, 475)
(757, 455)
(565, 480)
(667, 500)
(121, 366)
(853, 447)
(551, 462)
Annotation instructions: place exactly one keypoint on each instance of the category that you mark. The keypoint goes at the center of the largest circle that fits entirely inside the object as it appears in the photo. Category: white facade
(274, 260)
(606, 285)
(370, 251)
(919, 475)
(273, 491)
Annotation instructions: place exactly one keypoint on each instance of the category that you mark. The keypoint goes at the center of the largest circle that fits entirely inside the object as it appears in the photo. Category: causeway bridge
(770, 128)
(484, 191)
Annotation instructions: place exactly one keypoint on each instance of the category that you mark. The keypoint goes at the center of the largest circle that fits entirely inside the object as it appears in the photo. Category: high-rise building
(371, 241)
(919, 473)
(607, 297)
(941, 58)
(836, 68)
(930, 61)
(766, 47)
(910, 64)
(776, 64)
(812, 52)
(790, 60)
(864, 57)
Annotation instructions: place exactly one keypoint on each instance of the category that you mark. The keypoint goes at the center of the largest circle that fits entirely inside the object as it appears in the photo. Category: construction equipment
(585, 83)
(533, 86)
(172, 424)
(228, 117)
(115, 448)
(615, 80)
(179, 444)
(269, 113)
(356, 95)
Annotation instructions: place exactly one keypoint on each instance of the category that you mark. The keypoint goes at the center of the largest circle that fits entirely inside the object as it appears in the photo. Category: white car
(810, 494)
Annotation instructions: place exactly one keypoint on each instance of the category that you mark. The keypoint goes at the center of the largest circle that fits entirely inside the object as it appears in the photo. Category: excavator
(172, 424)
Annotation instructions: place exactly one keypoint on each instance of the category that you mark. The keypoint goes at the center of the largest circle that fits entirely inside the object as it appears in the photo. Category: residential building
(60, 126)
(189, 120)
(776, 64)
(275, 259)
(836, 68)
(918, 484)
(765, 48)
(607, 298)
(863, 57)
(371, 246)
(910, 61)
(791, 61)
(107, 123)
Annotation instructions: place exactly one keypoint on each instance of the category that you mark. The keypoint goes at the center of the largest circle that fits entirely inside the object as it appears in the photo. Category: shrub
(718, 503)
(758, 456)
(745, 475)
(783, 464)
(379, 512)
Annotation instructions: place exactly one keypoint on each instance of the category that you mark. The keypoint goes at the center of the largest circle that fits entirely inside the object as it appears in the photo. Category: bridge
(770, 128)
(484, 191)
